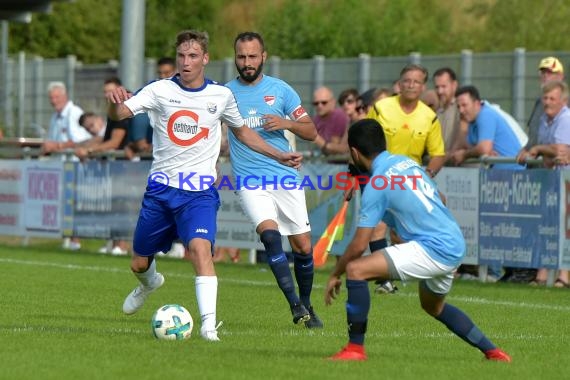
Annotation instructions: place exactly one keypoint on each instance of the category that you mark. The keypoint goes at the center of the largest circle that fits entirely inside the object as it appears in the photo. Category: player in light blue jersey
(271, 107)
(402, 195)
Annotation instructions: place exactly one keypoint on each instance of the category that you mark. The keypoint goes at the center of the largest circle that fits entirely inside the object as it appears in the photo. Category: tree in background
(90, 29)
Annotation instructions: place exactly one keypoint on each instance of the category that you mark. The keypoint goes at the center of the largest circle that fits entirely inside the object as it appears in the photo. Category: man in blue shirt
(431, 245)
(489, 133)
(272, 198)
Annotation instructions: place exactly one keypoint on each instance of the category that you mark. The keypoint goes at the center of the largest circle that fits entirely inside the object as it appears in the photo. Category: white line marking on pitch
(473, 300)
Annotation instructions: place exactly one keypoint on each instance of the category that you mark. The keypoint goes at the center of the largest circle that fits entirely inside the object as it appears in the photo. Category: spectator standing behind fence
(187, 110)
(270, 107)
(64, 133)
(64, 129)
(430, 99)
(553, 132)
(453, 129)
(331, 122)
(549, 69)
(411, 129)
(433, 246)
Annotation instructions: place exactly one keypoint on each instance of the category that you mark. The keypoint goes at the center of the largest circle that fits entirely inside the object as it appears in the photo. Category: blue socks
(304, 273)
(462, 326)
(279, 265)
(357, 307)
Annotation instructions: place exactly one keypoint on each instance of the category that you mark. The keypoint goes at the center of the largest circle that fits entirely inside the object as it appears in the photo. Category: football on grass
(172, 322)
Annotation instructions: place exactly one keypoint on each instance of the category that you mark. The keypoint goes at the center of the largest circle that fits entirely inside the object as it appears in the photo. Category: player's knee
(429, 308)
(140, 264)
(271, 240)
(429, 302)
(354, 271)
(305, 248)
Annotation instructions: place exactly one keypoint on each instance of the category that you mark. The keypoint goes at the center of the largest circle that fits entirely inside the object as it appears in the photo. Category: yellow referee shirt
(410, 134)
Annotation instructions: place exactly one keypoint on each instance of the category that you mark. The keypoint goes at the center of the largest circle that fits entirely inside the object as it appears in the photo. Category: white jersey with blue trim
(186, 129)
(269, 96)
(402, 195)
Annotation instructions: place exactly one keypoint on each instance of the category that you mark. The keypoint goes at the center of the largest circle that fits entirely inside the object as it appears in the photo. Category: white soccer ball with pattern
(172, 322)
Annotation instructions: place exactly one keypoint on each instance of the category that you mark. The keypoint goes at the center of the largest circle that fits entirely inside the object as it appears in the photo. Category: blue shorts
(168, 213)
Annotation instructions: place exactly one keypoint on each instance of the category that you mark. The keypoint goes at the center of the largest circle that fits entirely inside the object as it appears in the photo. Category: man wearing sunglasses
(331, 122)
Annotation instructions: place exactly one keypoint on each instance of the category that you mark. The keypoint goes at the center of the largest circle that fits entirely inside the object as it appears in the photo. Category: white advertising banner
(461, 189)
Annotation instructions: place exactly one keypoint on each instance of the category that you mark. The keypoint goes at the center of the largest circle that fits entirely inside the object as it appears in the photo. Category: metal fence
(509, 79)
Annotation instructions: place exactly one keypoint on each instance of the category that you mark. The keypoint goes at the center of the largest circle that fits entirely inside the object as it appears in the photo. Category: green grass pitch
(61, 318)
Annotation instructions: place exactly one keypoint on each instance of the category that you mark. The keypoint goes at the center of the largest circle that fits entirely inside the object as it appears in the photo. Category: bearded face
(249, 73)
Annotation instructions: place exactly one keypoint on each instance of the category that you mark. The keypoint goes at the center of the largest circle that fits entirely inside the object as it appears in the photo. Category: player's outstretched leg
(459, 323)
(150, 280)
(279, 265)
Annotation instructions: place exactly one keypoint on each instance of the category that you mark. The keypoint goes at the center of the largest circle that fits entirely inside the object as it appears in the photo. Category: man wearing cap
(550, 69)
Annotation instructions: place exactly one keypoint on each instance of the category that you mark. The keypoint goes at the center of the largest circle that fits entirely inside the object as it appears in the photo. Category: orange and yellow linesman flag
(333, 232)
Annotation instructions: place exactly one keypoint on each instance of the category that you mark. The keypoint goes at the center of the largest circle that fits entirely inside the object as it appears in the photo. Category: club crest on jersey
(269, 99)
(183, 128)
(211, 107)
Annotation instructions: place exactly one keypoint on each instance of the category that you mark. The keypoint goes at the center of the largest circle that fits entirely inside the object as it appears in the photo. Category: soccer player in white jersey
(186, 112)
(432, 246)
(274, 202)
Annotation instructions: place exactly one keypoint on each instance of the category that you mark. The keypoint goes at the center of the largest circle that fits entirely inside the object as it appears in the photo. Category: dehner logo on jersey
(183, 128)
(201, 231)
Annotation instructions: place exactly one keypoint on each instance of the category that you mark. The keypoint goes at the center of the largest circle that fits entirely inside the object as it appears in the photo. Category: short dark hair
(414, 67)
(166, 61)
(471, 90)
(346, 93)
(445, 70)
(250, 36)
(367, 136)
(84, 116)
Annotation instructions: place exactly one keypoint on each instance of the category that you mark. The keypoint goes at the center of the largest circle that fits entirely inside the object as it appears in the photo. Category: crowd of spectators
(468, 125)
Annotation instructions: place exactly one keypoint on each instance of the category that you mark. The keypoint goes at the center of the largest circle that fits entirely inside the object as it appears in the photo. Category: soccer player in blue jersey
(186, 111)
(270, 107)
(402, 195)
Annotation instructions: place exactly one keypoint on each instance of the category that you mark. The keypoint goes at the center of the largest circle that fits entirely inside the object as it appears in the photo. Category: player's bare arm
(435, 164)
(255, 142)
(117, 110)
(303, 127)
(354, 250)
